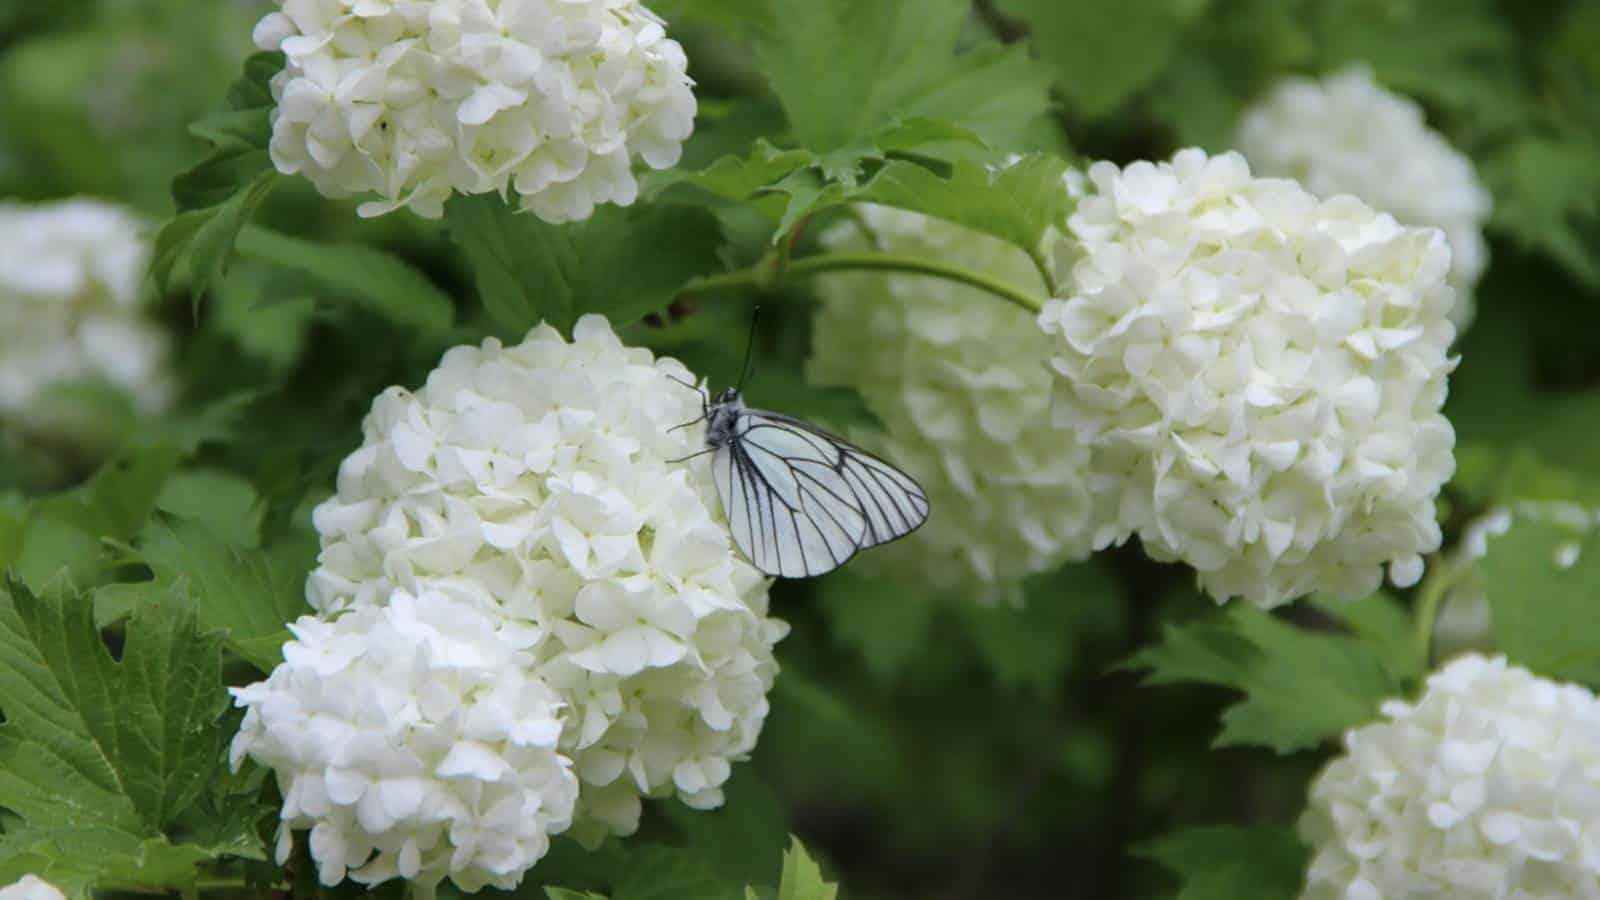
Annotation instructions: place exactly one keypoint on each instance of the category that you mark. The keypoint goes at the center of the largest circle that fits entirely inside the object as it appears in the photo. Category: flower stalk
(758, 276)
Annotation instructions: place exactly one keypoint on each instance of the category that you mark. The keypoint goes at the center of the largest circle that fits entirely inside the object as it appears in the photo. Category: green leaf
(623, 263)
(82, 861)
(740, 177)
(239, 140)
(1460, 55)
(369, 278)
(67, 533)
(732, 15)
(845, 70)
(1102, 52)
(222, 192)
(194, 248)
(802, 877)
(1017, 203)
(741, 840)
(658, 872)
(1227, 862)
(555, 893)
(221, 501)
(1543, 613)
(239, 137)
(247, 594)
(1547, 198)
(1303, 686)
(1382, 623)
(100, 755)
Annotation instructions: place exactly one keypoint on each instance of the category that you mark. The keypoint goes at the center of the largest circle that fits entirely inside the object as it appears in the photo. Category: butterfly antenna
(749, 349)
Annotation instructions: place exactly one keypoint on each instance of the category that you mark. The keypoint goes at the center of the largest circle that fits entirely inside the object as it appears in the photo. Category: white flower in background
(962, 386)
(1345, 134)
(69, 308)
(1258, 375)
(1487, 788)
(414, 101)
(31, 887)
(414, 741)
(535, 483)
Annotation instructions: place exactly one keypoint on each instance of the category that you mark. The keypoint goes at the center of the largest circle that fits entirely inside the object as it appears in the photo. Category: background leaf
(374, 280)
(802, 878)
(1102, 52)
(845, 70)
(246, 594)
(623, 263)
(1543, 611)
(1303, 687)
(1226, 863)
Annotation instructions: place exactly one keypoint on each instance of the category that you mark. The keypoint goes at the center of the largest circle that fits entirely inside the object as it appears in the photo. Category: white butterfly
(801, 501)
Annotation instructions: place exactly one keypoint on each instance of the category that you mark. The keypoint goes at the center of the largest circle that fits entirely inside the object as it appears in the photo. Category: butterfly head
(723, 417)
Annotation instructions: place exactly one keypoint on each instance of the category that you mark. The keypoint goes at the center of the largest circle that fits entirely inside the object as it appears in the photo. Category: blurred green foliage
(923, 748)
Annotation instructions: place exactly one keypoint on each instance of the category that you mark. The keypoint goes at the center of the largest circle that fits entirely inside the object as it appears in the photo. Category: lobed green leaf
(100, 755)
(371, 279)
(1303, 687)
(623, 263)
(1227, 862)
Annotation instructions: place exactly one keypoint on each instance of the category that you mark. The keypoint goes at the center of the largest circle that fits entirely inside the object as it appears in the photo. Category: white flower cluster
(69, 308)
(31, 887)
(1258, 375)
(1345, 134)
(417, 99)
(961, 384)
(413, 739)
(1487, 788)
(525, 494)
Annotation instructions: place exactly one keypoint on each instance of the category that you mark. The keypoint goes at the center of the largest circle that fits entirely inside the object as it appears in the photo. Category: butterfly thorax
(722, 419)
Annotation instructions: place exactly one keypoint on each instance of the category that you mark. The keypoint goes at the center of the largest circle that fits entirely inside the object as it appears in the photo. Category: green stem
(760, 275)
(1043, 265)
(1442, 575)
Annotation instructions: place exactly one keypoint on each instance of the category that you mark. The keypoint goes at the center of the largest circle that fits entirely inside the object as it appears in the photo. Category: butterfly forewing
(801, 501)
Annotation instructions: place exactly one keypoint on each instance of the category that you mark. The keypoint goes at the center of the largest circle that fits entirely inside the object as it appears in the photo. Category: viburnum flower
(1345, 134)
(962, 386)
(414, 740)
(541, 484)
(1487, 787)
(69, 309)
(415, 101)
(31, 887)
(1258, 375)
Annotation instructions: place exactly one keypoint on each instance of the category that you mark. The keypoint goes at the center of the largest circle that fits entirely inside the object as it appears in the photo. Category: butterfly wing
(801, 501)
(894, 504)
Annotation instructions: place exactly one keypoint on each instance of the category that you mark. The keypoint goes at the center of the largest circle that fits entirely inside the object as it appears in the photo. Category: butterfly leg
(692, 455)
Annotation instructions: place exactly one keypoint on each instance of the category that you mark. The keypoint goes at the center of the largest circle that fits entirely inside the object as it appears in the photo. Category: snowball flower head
(962, 386)
(1258, 374)
(1344, 134)
(414, 100)
(69, 308)
(1487, 788)
(538, 485)
(413, 740)
(31, 887)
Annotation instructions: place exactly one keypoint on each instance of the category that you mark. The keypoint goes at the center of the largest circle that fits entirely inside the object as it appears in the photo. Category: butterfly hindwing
(894, 505)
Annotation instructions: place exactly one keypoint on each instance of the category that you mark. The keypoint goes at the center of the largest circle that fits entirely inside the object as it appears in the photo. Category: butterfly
(799, 500)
